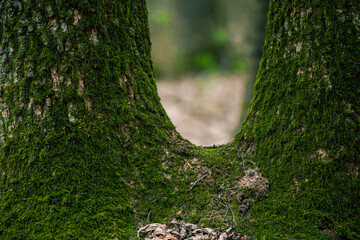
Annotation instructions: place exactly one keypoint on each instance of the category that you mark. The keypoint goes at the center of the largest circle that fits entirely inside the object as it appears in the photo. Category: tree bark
(87, 150)
(82, 128)
(303, 126)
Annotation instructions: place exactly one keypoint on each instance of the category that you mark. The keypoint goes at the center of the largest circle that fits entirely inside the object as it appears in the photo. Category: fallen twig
(233, 188)
(194, 183)
(232, 213)
(148, 217)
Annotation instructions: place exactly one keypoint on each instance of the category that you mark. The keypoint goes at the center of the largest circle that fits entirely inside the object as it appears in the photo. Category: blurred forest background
(206, 54)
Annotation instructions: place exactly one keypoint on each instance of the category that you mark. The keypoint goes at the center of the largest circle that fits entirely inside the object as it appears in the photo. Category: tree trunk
(82, 128)
(87, 150)
(303, 126)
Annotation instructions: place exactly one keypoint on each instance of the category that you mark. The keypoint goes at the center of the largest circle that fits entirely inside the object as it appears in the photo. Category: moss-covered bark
(303, 126)
(87, 151)
(82, 128)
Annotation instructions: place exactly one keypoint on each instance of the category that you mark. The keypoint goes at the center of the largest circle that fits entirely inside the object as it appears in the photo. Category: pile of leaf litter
(185, 231)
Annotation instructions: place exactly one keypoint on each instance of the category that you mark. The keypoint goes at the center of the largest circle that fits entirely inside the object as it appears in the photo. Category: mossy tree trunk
(303, 125)
(82, 127)
(87, 150)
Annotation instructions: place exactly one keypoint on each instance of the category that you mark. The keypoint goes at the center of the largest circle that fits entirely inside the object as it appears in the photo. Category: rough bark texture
(82, 128)
(303, 126)
(87, 151)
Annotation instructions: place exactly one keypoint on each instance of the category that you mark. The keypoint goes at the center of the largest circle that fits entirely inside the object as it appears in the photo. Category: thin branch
(227, 208)
(211, 215)
(148, 217)
(232, 213)
(194, 183)
(233, 188)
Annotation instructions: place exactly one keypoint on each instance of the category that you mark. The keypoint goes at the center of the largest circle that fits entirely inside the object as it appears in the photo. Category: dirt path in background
(204, 109)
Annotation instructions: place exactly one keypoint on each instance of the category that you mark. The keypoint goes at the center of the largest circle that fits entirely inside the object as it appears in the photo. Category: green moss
(298, 130)
(87, 150)
(82, 127)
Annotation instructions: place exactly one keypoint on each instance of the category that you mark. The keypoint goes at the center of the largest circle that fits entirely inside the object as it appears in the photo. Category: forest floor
(206, 108)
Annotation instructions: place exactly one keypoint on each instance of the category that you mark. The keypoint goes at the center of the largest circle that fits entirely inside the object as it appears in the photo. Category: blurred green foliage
(207, 35)
(239, 66)
(205, 61)
(162, 18)
(221, 36)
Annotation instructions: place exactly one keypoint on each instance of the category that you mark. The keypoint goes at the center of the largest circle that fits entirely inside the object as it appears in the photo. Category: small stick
(233, 188)
(211, 215)
(234, 222)
(226, 206)
(221, 203)
(148, 217)
(222, 219)
(194, 183)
